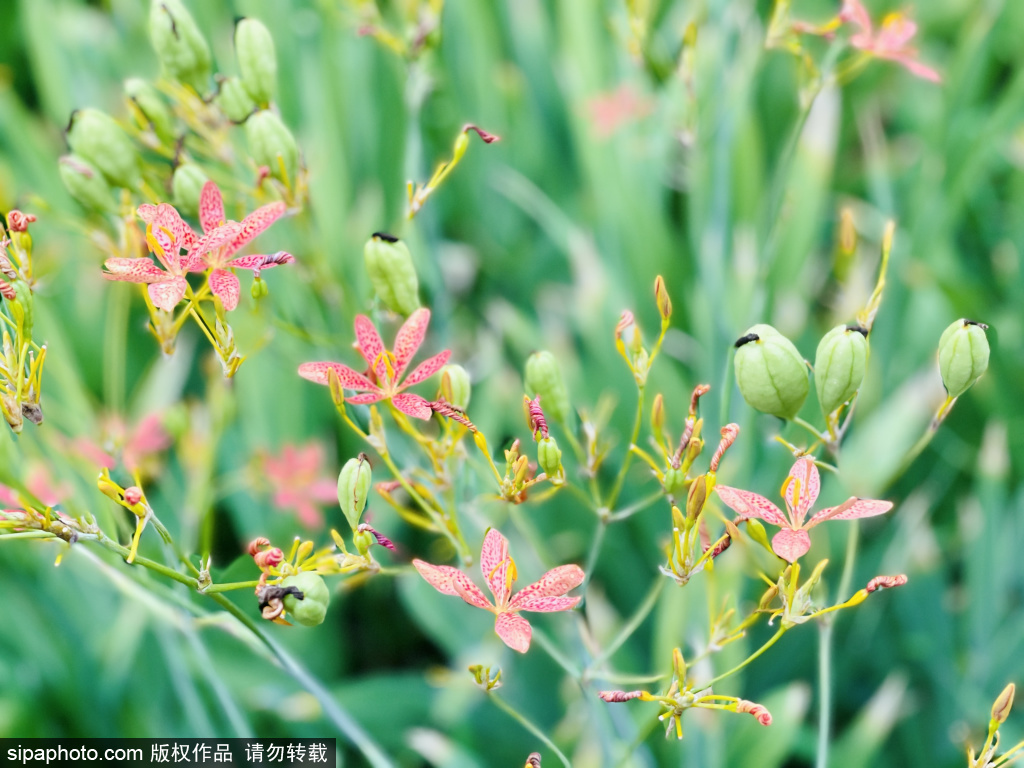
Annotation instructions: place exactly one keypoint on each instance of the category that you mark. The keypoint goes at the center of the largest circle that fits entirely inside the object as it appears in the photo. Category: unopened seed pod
(354, 488)
(312, 608)
(363, 540)
(179, 45)
(549, 456)
(85, 183)
(770, 372)
(24, 305)
(544, 378)
(456, 387)
(96, 137)
(272, 144)
(839, 365)
(674, 481)
(151, 107)
(963, 355)
(389, 264)
(187, 187)
(234, 101)
(257, 61)
(259, 288)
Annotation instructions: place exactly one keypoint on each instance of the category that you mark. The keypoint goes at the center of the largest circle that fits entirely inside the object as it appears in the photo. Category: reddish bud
(257, 544)
(729, 434)
(132, 495)
(383, 540)
(535, 417)
(764, 717)
(488, 138)
(18, 221)
(885, 582)
(620, 696)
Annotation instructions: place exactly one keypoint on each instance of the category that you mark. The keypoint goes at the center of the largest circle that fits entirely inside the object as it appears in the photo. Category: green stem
(114, 349)
(621, 477)
(556, 655)
(595, 551)
(630, 627)
(509, 710)
(641, 737)
(228, 587)
(824, 692)
(774, 639)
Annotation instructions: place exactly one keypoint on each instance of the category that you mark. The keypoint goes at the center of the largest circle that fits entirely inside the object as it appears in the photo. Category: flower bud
(96, 137)
(24, 306)
(696, 497)
(257, 61)
(311, 609)
(455, 386)
(363, 540)
(658, 414)
(85, 183)
(354, 488)
(756, 531)
(151, 108)
(549, 456)
(392, 273)
(839, 365)
(770, 372)
(963, 355)
(662, 299)
(1003, 704)
(679, 666)
(674, 480)
(187, 186)
(180, 46)
(272, 144)
(544, 378)
(234, 101)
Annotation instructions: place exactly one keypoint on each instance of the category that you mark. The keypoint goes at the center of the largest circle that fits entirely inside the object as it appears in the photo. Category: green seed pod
(151, 107)
(963, 355)
(544, 378)
(254, 48)
(259, 288)
(674, 481)
(23, 306)
(549, 456)
(696, 497)
(312, 608)
(234, 101)
(272, 144)
(97, 138)
(181, 48)
(86, 184)
(187, 186)
(839, 365)
(770, 372)
(392, 273)
(363, 540)
(756, 531)
(354, 488)
(455, 386)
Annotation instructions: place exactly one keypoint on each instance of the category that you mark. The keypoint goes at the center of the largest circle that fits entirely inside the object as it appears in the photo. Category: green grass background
(536, 242)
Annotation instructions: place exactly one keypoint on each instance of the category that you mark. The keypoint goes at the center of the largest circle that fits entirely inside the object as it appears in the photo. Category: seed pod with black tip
(311, 609)
(234, 101)
(257, 61)
(96, 137)
(181, 48)
(85, 183)
(389, 264)
(272, 144)
(770, 372)
(544, 378)
(963, 355)
(839, 365)
(354, 488)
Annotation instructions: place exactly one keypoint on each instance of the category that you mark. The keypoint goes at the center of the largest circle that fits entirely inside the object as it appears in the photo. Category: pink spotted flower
(383, 380)
(223, 239)
(167, 235)
(499, 571)
(299, 482)
(800, 491)
(892, 41)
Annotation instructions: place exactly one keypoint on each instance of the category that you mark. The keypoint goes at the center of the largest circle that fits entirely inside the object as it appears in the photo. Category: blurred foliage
(540, 241)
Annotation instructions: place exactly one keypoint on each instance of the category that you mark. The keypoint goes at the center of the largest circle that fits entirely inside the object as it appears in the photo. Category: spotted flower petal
(427, 368)
(211, 207)
(349, 379)
(167, 293)
(410, 337)
(133, 270)
(851, 509)
(226, 287)
(438, 576)
(802, 488)
(554, 583)
(494, 562)
(791, 544)
(256, 222)
(412, 405)
(468, 591)
(365, 399)
(514, 631)
(747, 504)
(370, 345)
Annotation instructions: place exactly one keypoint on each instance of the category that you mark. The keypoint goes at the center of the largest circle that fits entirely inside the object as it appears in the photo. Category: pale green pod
(456, 386)
(272, 144)
(96, 137)
(179, 45)
(544, 378)
(674, 480)
(770, 372)
(85, 183)
(354, 488)
(389, 264)
(257, 61)
(312, 608)
(549, 456)
(186, 187)
(234, 101)
(963, 355)
(839, 365)
(259, 288)
(152, 107)
(25, 305)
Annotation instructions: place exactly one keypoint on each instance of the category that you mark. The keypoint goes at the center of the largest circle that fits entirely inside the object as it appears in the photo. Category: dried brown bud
(885, 582)
(620, 696)
(729, 434)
